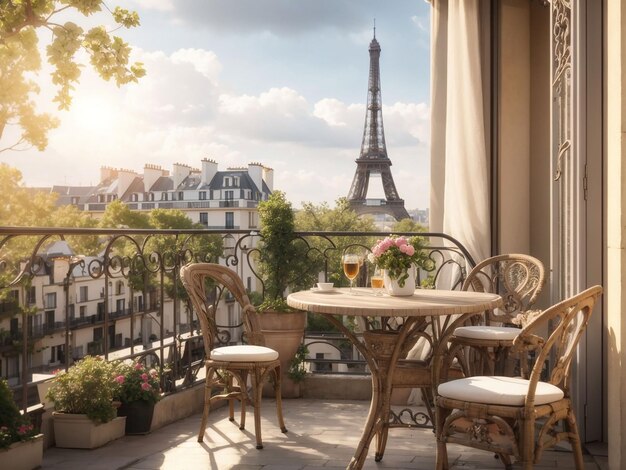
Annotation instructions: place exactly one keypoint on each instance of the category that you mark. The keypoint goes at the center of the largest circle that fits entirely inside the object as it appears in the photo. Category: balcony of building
(324, 428)
(322, 433)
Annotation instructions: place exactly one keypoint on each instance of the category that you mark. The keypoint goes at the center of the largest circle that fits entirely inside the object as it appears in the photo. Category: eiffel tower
(373, 158)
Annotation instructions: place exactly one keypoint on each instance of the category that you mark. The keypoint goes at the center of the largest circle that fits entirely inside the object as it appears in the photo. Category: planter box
(79, 432)
(23, 455)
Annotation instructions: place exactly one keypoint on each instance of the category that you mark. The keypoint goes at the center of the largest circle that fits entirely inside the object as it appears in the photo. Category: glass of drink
(351, 264)
(377, 282)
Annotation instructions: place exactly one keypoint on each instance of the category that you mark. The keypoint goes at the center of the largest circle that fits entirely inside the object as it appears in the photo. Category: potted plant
(138, 393)
(84, 401)
(398, 257)
(21, 446)
(297, 368)
(281, 263)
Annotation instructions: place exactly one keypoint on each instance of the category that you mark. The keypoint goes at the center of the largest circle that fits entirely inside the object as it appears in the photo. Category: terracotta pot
(283, 332)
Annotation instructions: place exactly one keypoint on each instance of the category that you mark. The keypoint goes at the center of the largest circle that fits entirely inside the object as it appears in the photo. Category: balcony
(323, 430)
(321, 434)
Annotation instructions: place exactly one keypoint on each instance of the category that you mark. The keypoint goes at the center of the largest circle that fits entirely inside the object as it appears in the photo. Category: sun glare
(94, 113)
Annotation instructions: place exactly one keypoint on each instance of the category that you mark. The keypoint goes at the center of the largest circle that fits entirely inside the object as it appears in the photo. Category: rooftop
(322, 434)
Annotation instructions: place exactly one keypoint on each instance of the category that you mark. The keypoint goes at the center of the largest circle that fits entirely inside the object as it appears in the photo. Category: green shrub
(13, 426)
(88, 387)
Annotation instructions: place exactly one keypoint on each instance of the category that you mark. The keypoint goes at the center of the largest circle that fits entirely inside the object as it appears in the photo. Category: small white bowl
(325, 285)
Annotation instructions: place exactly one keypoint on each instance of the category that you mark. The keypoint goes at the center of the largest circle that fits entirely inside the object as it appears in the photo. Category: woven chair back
(195, 277)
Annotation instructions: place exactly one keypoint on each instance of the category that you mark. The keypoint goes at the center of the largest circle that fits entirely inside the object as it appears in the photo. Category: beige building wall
(616, 221)
(539, 146)
(514, 147)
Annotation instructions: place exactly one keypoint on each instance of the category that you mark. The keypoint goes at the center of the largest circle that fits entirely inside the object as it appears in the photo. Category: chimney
(209, 169)
(268, 177)
(124, 180)
(179, 173)
(107, 173)
(151, 173)
(255, 171)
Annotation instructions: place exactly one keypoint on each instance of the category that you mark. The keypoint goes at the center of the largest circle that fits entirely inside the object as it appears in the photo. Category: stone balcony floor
(322, 434)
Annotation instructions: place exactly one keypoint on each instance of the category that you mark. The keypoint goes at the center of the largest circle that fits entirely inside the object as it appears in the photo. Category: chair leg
(243, 387)
(279, 398)
(257, 388)
(574, 439)
(231, 402)
(526, 443)
(207, 403)
(506, 460)
(442, 450)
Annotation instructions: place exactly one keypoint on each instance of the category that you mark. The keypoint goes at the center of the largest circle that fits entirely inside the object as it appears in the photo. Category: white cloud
(205, 62)
(336, 113)
(159, 5)
(283, 102)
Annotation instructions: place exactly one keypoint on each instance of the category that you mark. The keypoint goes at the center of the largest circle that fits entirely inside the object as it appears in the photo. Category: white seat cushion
(498, 390)
(487, 332)
(244, 353)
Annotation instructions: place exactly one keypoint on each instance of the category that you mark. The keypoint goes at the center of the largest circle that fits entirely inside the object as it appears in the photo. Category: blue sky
(283, 82)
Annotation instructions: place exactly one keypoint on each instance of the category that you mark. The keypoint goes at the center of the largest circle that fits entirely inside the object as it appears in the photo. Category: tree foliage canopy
(21, 22)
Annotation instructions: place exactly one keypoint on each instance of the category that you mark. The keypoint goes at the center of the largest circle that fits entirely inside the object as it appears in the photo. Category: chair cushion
(244, 353)
(487, 332)
(509, 391)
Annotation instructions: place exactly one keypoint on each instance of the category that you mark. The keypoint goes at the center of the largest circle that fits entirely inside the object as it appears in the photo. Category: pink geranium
(396, 255)
(137, 383)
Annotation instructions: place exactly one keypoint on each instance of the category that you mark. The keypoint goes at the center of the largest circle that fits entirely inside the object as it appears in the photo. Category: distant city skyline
(279, 82)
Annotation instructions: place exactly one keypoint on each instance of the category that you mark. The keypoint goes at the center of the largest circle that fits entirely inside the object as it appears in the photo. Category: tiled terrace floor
(321, 434)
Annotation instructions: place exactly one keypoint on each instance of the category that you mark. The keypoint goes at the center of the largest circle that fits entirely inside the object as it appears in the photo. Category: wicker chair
(502, 414)
(229, 367)
(518, 279)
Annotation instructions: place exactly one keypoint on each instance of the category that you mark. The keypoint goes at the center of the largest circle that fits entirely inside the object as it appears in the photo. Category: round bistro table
(413, 311)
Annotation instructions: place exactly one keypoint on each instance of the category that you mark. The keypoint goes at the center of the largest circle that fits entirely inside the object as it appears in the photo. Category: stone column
(615, 288)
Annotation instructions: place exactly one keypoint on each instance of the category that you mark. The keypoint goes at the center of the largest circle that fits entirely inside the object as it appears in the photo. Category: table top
(363, 302)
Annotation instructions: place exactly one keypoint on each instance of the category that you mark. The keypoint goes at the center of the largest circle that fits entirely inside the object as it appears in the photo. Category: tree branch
(14, 148)
(57, 11)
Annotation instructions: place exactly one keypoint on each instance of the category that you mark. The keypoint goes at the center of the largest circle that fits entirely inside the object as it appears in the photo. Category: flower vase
(393, 287)
(138, 416)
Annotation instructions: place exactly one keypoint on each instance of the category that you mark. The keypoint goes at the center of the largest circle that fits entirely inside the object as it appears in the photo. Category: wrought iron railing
(148, 261)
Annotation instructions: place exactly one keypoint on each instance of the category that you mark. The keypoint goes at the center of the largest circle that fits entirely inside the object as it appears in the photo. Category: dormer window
(227, 181)
(236, 181)
(134, 197)
(101, 198)
(163, 196)
(151, 197)
(74, 200)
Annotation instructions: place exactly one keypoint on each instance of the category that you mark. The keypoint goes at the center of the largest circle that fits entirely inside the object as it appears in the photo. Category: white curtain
(459, 195)
(459, 202)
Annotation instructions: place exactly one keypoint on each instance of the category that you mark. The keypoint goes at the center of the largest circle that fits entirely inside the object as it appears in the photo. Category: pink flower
(153, 372)
(146, 386)
(24, 429)
(144, 377)
(401, 241)
(410, 250)
(138, 366)
(120, 379)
